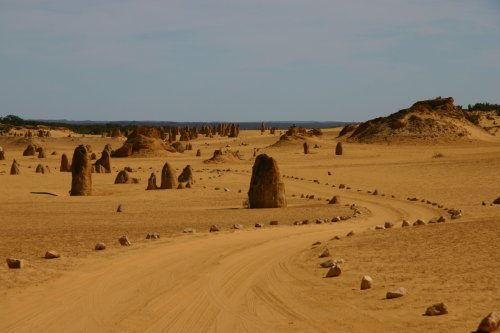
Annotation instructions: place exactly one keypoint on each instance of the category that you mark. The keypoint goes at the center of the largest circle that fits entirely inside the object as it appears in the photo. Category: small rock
(405, 223)
(51, 254)
(152, 235)
(328, 263)
(119, 209)
(189, 230)
(226, 189)
(259, 225)
(388, 225)
(436, 310)
(214, 228)
(15, 263)
(273, 223)
(334, 271)
(124, 241)
(400, 292)
(379, 227)
(441, 219)
(316, 243)
(335, 238)
(237, 226)
(100, 247)
(324, 253)
(418, 222)
(366, 282)
(336, 219)
(350, 234)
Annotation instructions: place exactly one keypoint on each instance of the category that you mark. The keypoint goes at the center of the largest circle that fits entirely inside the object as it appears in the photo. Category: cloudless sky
(233, 60)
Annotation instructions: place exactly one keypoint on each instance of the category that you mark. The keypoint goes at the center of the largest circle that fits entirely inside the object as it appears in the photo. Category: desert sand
(254, 279)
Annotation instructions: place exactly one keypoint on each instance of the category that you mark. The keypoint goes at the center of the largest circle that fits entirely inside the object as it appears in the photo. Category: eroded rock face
(81, 183)
(168, 177)
(267, 190)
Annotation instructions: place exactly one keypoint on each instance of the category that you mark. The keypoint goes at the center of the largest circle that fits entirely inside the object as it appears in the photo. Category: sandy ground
(253, 280)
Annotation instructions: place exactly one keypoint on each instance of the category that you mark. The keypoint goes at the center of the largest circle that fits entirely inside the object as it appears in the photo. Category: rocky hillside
(431, 120)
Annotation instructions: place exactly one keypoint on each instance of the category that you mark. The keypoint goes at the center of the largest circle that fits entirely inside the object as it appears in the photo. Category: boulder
(324, 253)
(328, 263)
(490, 323)
(335, 200)
(152, 235)
(52, 254)
(400, 292)
(366, 282)
(123, 240)
(100, 247)
(436, 310)
(418, 222)
(334, 271)
(15, 263)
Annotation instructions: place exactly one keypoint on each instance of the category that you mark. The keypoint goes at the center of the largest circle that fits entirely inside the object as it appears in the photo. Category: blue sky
(238, 60)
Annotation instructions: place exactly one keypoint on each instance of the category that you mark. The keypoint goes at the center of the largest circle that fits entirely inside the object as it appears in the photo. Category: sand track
(248, 281)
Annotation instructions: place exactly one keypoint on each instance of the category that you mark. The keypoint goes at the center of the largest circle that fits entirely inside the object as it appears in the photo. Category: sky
(234, 60)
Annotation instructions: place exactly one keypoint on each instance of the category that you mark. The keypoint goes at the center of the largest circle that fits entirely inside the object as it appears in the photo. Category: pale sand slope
(254, 281)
